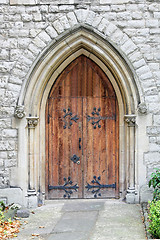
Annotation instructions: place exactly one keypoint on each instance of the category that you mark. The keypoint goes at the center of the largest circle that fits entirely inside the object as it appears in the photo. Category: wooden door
(82, 134)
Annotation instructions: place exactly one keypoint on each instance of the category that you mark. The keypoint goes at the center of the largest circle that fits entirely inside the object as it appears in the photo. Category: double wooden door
(82, 134)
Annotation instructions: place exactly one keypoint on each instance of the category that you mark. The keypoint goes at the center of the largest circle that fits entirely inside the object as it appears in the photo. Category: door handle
(80, 144)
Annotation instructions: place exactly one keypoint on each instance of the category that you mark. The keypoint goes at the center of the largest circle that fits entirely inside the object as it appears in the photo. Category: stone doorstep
(81, 206)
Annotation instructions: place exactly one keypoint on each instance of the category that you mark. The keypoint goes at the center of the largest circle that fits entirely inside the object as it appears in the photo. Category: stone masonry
(28, 26)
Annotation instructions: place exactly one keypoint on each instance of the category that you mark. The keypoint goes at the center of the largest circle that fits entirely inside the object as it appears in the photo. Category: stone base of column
(131, 196)
(41, 198)
(32, 199)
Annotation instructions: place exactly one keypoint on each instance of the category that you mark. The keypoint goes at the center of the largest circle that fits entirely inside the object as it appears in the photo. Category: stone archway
(34, 96)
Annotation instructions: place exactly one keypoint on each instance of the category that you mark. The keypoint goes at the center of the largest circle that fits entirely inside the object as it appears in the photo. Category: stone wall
(28, 26)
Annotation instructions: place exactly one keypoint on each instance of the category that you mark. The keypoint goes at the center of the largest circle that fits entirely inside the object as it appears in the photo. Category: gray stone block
(13, 195)
(23, 213)
(146, 194)
(23, 2)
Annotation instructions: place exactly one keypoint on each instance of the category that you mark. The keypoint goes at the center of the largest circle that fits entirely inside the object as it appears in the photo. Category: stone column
(32, 194)
(131, 121)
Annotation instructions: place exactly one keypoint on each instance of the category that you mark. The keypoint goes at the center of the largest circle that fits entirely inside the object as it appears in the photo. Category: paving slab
(89, 219)
(41, 221)
(69, 236)
(119, 220)
(76, 222)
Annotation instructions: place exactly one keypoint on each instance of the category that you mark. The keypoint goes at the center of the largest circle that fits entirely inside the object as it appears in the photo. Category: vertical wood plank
(102, 148)
(47, 149)
(117, 149)
(50, 142)
(53, 140)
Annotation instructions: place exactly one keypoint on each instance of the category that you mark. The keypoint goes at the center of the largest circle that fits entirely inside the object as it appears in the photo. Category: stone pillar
(131, 192)
(32, 194)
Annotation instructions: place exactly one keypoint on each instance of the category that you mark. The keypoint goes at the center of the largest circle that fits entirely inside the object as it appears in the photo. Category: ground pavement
(84, 220)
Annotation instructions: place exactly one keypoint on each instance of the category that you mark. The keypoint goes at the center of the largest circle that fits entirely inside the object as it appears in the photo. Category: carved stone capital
(19, 112)
(142, 108)
(32, 122)
(130, 119)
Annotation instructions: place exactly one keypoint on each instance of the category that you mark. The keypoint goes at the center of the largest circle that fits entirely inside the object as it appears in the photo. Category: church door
(82, 144)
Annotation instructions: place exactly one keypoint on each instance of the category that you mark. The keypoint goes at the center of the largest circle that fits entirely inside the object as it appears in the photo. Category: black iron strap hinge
(68, 187)
(96, 186)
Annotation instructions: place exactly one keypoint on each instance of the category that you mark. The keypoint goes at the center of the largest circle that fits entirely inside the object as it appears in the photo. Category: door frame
(34, 97)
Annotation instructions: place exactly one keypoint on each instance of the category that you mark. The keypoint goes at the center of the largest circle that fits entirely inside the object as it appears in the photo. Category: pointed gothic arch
(58, 54)
(56, 57)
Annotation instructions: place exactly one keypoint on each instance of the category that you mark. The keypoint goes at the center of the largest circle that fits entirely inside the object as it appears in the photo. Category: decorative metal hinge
(96, 118)
(67, 187)
(96, 188)
(67, 118)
